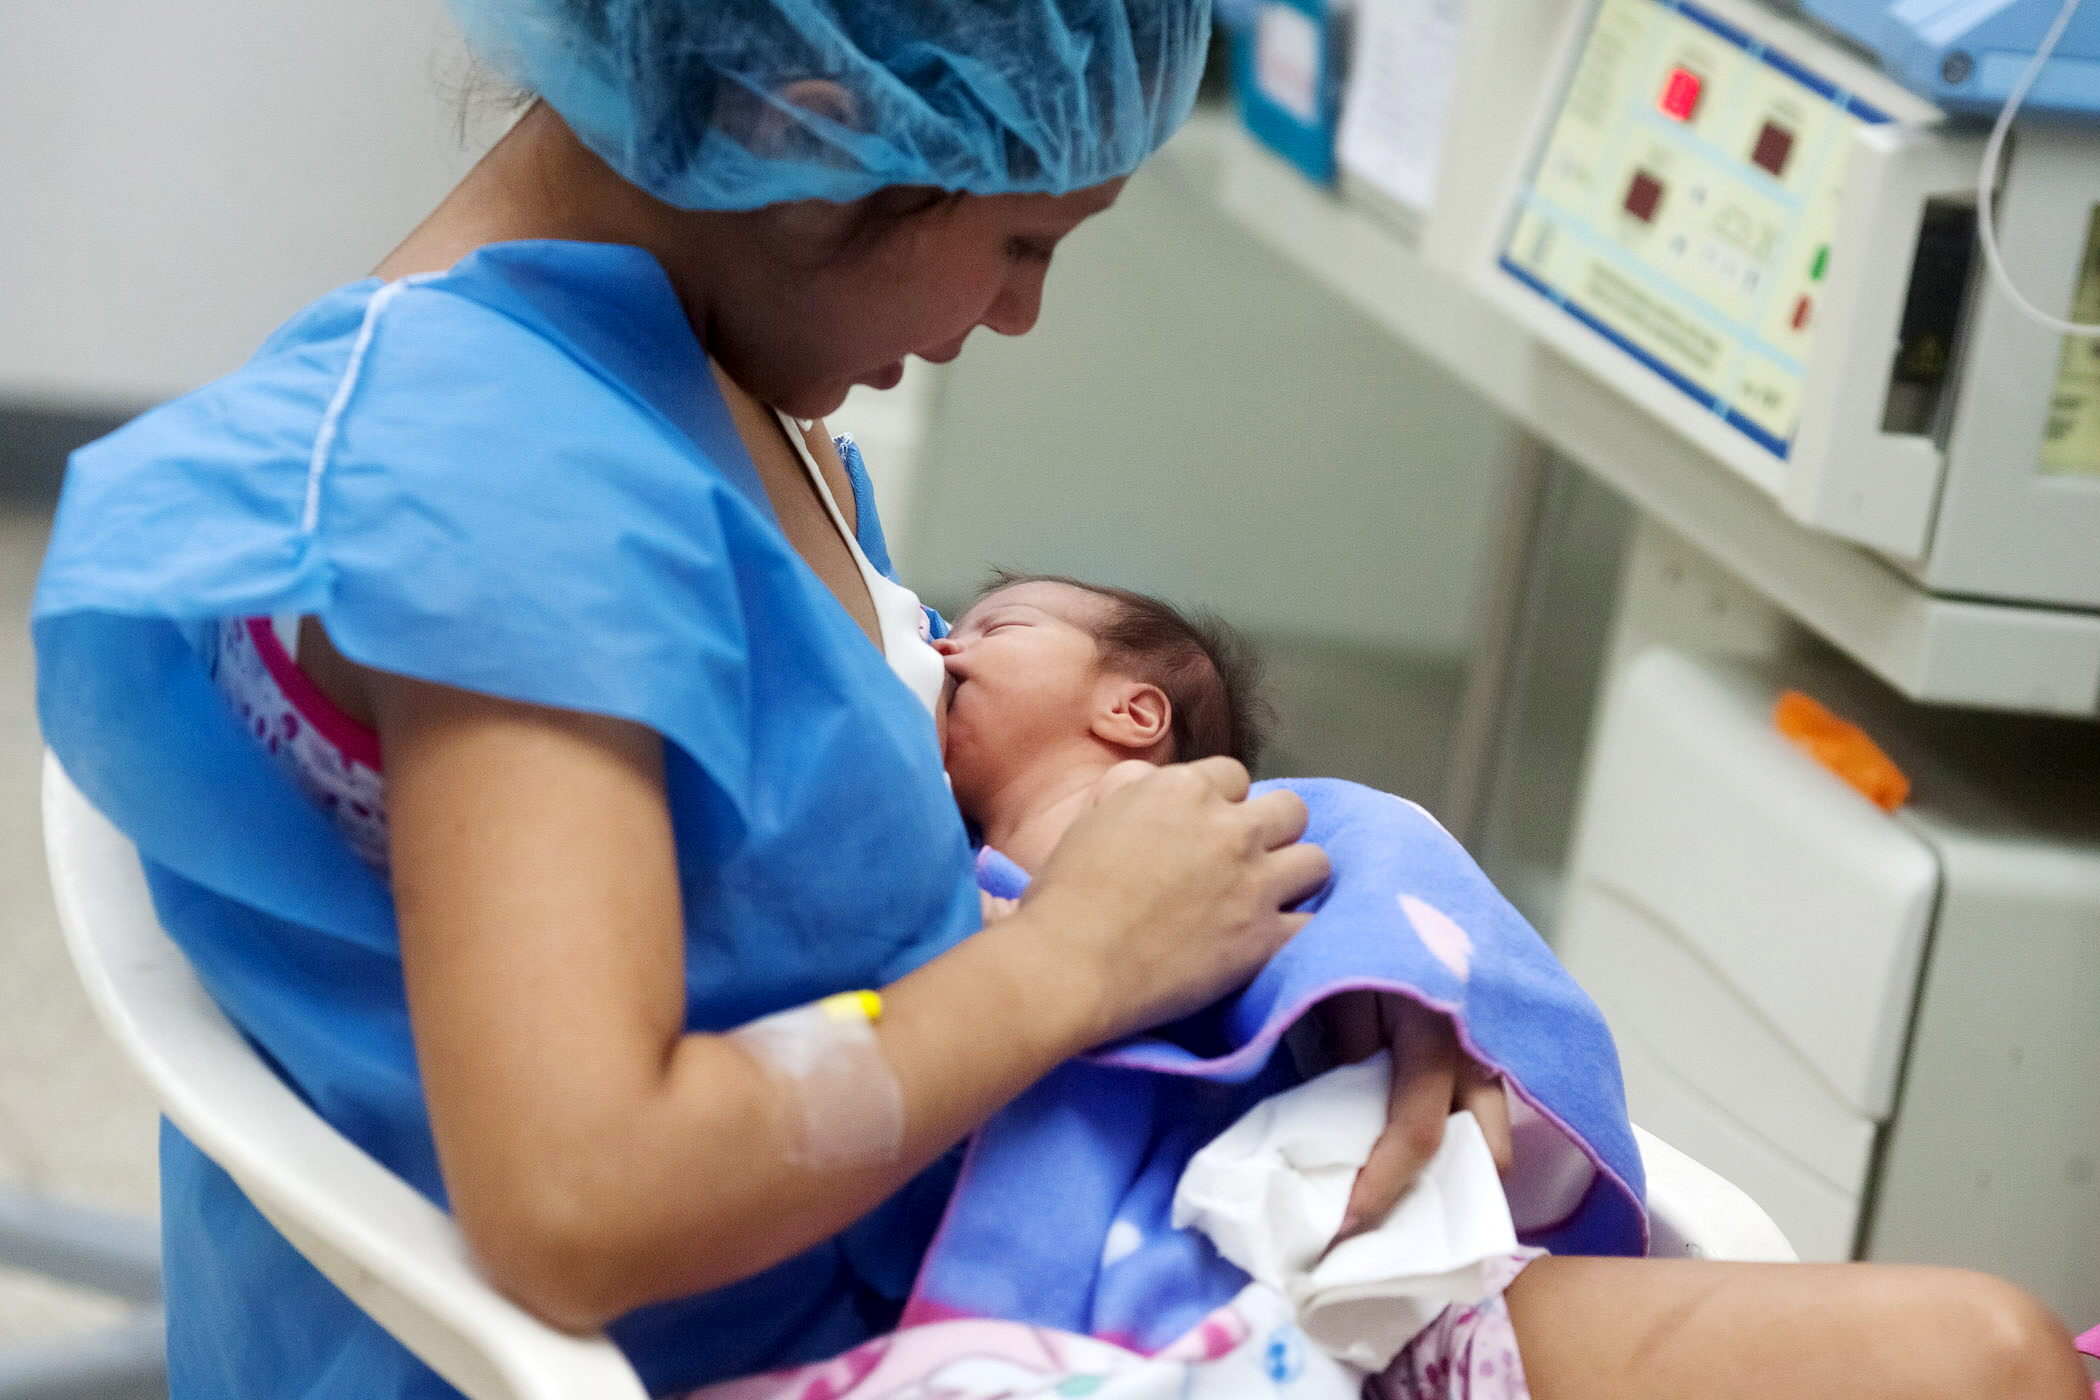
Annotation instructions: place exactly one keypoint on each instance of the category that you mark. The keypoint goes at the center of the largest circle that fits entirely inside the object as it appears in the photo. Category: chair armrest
(398, 1257)
(1695, 1213)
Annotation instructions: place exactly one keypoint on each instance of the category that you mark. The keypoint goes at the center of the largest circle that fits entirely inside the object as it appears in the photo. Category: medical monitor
(1684, 205)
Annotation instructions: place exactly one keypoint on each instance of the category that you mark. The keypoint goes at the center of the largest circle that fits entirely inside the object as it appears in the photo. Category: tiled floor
(74, 1123)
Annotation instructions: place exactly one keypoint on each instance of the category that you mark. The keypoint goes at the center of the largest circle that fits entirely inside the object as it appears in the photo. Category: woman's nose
(1020, 301)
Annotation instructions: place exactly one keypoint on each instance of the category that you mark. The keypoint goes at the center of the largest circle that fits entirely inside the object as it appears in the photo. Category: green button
(1817, 268)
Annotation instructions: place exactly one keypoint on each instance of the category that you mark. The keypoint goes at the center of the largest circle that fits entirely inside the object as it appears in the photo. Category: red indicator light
(1802, 310)
(1680, 95)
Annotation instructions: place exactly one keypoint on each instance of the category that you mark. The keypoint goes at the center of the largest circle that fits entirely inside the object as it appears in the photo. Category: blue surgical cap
(731, 104)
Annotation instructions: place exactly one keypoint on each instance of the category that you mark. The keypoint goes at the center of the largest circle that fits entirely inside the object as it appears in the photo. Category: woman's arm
(598, 1157)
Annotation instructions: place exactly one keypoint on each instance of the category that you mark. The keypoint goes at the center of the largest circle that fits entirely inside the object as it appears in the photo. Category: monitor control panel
(1683, 206)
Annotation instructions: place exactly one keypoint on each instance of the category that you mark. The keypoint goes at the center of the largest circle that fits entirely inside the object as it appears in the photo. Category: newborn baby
(1058, 691)
(1052, 683)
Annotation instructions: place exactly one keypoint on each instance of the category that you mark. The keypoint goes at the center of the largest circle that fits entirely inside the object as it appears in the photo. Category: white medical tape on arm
(845, 1106)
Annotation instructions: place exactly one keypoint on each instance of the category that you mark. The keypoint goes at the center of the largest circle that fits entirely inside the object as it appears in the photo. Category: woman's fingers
(1122, 775)
(1296, 872)
(1425, 1074)
(1482, 1095)
(1279, 816)
(1228, 775)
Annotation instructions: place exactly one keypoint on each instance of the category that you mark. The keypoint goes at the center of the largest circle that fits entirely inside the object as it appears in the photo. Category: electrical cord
(1987, 183)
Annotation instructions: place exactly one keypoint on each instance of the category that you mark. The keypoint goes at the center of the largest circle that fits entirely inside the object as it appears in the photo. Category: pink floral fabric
(333, 759)
(1251, 1349)
(1468, 1353)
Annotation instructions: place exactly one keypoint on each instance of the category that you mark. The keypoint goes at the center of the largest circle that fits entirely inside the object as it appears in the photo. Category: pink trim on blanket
(356, 742)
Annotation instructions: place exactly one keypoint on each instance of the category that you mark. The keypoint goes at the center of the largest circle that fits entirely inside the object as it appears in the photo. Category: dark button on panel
(1644, 196)
(1774, 144)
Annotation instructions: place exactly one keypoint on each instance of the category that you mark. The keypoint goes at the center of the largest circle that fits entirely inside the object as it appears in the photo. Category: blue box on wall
(1287, 60)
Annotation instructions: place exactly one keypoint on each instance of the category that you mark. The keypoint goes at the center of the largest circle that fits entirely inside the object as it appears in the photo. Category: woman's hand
(1171, 890)
(1432, 1079)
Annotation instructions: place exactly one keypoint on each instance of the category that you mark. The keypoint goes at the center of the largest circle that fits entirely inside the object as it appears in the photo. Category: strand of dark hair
(1212, 678)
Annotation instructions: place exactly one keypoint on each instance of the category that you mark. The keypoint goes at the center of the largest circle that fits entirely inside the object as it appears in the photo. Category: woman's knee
(1997, 1342)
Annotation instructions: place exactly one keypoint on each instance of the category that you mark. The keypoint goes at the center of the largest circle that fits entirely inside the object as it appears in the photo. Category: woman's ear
(772, 125)
(1133, 715)
(773, 128)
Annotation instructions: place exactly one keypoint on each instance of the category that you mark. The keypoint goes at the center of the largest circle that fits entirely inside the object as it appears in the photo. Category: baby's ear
(1134, 715)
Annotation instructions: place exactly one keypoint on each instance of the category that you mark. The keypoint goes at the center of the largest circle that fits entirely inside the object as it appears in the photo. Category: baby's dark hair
(1211, 677)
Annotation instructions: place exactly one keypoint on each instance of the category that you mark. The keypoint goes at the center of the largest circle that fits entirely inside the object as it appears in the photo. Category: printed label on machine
(1684, 203)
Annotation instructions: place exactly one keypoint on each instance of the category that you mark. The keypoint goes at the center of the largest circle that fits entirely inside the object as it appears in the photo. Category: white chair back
(1696, 1213)
(394, 1253)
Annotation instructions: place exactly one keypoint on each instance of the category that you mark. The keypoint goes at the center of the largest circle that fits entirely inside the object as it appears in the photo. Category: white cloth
(1271, 1190)
(907, 638)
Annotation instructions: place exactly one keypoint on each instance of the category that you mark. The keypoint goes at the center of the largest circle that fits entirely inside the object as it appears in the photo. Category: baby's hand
(996, 908)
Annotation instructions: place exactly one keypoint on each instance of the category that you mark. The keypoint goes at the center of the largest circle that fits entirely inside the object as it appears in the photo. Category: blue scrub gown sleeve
(515, 477)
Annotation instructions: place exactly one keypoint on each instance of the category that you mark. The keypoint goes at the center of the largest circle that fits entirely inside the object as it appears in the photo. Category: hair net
(730, 104)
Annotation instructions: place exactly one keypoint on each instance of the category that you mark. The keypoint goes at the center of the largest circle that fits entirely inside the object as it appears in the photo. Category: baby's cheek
(940, 714)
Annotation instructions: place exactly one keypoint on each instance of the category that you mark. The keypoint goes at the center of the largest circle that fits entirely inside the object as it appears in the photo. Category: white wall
(1193, 417)
(178, 176)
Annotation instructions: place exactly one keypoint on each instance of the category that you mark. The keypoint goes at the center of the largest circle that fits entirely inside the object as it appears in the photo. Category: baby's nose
(946, 646)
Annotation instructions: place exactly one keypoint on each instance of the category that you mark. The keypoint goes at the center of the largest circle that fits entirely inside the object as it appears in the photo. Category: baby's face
(1022, 668)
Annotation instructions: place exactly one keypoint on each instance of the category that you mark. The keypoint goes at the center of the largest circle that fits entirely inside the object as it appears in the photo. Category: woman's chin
(822, 400)
(817, 401)
(888, 377)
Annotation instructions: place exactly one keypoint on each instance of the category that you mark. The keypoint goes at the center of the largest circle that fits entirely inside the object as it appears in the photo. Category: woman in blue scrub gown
(534, 495)
(535, 492)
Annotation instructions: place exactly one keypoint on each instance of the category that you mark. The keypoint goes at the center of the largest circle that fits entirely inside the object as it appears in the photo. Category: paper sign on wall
(1402, 71)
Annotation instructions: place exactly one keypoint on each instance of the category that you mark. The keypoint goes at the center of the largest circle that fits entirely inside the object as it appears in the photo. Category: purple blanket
(1061, 1216)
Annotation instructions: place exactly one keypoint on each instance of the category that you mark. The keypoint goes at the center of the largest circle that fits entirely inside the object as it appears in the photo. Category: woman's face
(831, 296)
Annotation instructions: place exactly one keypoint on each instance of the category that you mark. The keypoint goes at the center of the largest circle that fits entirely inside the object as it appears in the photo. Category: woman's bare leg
(1671, 1329)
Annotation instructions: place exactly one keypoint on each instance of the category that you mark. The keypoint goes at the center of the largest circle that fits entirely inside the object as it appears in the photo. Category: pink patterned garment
(1250, 1349)
(334, 759)
(1468, 1353)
